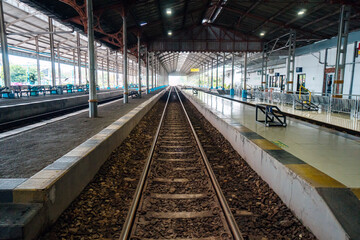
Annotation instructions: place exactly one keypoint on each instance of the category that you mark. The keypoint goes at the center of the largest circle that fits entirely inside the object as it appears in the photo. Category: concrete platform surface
(25, 154)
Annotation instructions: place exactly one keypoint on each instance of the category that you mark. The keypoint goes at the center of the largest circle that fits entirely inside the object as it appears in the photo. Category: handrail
(301, 86)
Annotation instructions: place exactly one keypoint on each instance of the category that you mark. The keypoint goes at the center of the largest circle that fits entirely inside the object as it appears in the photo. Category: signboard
(299, 69)
(194, 70)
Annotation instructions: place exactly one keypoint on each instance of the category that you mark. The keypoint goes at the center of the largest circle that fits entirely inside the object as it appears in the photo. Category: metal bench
(273, 116)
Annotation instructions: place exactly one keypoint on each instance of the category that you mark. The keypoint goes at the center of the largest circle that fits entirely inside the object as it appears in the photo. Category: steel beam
(139, 63)
(212, 74)
(74, 65)
(59, 66)
(37, 59)
(125, 59)
(91, 49)
(108, 67)
(52, 52)
(217, 71)
(223, 78)
(341, 49)
(232, 91)
(117, 69)
(78, 55)
(147, 72)
(245, 69)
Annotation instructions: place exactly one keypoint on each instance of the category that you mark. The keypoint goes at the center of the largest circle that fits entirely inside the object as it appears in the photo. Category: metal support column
(152, 70)
(79, 56)
(223, 78)
(125, 59)
(290, 71)
(74, 66)
(59, 67)
(264, 67)
(52, 53)
(232, 91)
(212, 73)
(139, 64)
(102, 73)
(108, 67)
(117, 69)
(244, 92)
(217, 71)
(155, 72)
(341, 51)
(353, 69)
(38, 60)
(86, 68)
(325, 87)
(147, 72)
(91, 49)
(4, 48)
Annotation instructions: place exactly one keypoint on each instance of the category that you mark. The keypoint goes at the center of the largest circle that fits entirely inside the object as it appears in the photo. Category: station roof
(202, 28)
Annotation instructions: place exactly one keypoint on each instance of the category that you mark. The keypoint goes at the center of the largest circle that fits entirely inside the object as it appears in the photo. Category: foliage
(22, 74)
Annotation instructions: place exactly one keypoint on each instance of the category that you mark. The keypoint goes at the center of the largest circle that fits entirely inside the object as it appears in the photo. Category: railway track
(178, 196)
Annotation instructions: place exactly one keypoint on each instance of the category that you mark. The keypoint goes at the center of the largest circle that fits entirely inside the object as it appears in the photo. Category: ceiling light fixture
(301, 12)
(168, 11)
(262, 34)
(169, 32)
(143, 24)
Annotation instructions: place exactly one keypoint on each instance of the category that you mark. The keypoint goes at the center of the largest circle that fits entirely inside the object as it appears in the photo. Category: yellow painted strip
(243, 129)
(265, 144)
(356, 191)
(315, 177)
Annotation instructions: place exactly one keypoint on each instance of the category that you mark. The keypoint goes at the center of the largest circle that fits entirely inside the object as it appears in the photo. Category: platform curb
(58, 184)
(309, 197)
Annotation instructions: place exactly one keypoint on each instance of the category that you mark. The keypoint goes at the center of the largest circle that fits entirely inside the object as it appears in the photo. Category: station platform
(341, 122)
(39, 179)
(315, 170)
(24, 107)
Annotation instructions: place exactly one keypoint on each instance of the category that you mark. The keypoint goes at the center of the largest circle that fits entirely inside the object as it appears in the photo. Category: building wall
(314, 70)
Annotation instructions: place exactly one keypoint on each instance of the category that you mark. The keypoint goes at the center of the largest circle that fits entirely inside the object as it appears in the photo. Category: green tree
(22, 74)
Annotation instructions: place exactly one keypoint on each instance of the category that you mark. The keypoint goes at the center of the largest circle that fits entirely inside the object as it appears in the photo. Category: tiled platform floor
(334, 153)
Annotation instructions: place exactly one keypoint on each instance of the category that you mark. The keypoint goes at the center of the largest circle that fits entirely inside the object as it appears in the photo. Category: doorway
(301, 78)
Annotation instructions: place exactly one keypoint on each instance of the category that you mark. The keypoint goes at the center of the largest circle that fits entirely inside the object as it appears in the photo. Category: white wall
(315, 71)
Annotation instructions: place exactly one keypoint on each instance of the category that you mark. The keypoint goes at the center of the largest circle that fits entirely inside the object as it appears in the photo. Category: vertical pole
(353, 69)
(91, 49)
(217, 71)
(117, 69)
(212, 73)
(4, 48)
(79, 56)
(102, 73)
(52, 53)
(155, 72)
(152, 70)
(147, 72)
(38, 60)
(263, 70)
(74, 66)
(108, 67)
(341, 50)
(59, 68)
(232, 91)
(125, 77)
(223, 78)
(325, 88)
(245, 73)
(139, 64)
(86, 68)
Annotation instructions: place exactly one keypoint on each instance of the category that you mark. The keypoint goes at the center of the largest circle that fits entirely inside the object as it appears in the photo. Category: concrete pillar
(79, 56)
(38, 60)
(125, 77)
(52, 53)
(4, 48)
(232, 91)
(91, 49)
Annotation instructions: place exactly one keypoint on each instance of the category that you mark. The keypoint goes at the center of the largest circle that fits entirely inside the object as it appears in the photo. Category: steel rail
(139, 189)
(227, 212)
